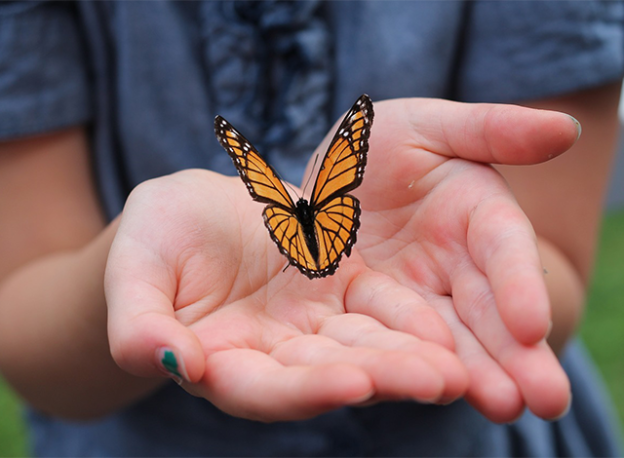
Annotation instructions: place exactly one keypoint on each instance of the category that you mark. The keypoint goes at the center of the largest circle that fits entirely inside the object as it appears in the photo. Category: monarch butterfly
(312, 235)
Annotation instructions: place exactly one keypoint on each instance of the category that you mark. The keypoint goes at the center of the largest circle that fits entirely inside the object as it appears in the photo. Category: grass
(603, 326)
(602, 331)
(12, 429)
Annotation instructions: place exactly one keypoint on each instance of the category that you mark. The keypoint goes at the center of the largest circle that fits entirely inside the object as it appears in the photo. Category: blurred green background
(603, 326)
(602, 332)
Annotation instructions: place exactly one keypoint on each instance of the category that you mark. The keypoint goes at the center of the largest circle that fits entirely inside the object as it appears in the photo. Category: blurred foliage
(12, 429)
(603, 328)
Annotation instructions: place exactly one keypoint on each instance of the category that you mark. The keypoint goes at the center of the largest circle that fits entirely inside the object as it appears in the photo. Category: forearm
(53, 339)
(567, 294)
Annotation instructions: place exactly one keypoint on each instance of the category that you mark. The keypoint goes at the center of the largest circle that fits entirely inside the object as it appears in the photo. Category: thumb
(145, 337)
(481, 132)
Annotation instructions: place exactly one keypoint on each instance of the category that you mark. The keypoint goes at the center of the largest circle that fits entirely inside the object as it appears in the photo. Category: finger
(503, 245)
(354, 330)
(547, 392)
(253, 385)
(534, 368)
(145, 337)
(397, 307)
(502, 134)
(394, 374)
(492, 391)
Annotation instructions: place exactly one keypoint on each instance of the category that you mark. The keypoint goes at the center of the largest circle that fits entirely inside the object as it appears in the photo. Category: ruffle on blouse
(270, 67)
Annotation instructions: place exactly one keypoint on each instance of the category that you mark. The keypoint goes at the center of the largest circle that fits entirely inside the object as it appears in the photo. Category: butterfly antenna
(294, 191)
(285, 183)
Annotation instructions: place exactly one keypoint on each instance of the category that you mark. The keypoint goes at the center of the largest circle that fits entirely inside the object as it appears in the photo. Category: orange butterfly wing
(261, 180)
(315, 247)
(336, 213)
(343, 166)
(289, 235)
(336, 225)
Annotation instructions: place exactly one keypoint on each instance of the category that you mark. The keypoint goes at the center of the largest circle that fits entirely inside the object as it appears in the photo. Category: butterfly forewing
(342, 168)
(261, 180)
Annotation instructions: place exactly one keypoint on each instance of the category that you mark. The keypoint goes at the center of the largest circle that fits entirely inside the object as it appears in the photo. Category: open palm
(450, 230)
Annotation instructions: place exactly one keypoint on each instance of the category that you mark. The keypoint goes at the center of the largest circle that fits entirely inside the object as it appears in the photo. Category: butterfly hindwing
(261, 180)
(343, 166)
(336, 225)
(289, 235)
(335, 230)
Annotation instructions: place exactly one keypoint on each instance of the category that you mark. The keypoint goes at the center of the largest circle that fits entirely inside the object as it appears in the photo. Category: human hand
(193, 272)
(269, 345)
(451, 231)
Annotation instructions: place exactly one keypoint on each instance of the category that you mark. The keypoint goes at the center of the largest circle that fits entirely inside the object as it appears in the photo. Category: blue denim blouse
(148, 79)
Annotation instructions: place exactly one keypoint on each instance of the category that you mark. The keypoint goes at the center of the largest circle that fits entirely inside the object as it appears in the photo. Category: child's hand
(193, 273)
(451, 230)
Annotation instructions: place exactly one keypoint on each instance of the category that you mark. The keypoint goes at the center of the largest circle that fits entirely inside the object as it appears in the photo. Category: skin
(442, 297)
(568, 233)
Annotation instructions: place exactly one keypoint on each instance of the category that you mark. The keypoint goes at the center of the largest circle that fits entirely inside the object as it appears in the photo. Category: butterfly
(312, 235)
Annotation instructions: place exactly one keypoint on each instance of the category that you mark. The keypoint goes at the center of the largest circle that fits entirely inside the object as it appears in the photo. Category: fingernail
(444, 400)
(172, 365)
(549, 329)
(511, 422)
(361, 399)
(579, 129)
(565, 412)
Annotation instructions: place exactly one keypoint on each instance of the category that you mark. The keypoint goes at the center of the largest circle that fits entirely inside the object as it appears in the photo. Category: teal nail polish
(170, 363)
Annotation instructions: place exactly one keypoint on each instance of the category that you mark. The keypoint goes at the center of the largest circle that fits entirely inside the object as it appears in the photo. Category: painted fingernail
(172, 365)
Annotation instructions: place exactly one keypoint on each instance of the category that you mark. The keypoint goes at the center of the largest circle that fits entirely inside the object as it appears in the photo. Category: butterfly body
(305, 216)
(312, 234)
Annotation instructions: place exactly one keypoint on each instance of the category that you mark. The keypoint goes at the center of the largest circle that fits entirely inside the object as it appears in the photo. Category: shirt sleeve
(44, 82)
(532, 49)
